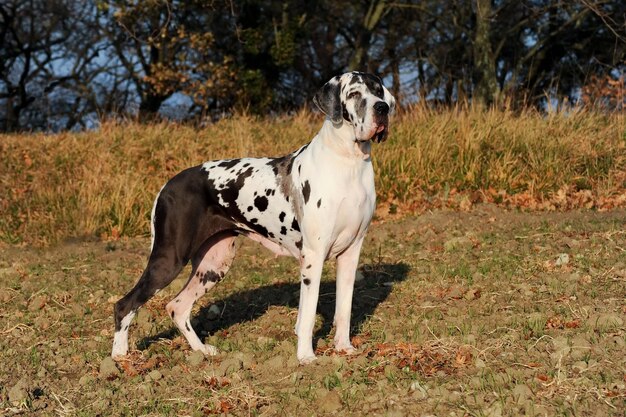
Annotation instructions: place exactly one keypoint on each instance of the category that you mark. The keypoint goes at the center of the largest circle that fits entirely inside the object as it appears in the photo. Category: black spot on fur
(361, 109)
(254, 220)
(299, 244)
(282, 165)
(172, 315)
(230, 192)
(319, 203)
(281, 216)
(261, 203)
(229, 163)
(187, 326)
(294, 225)
(249, 208)
(283, 230)
(306, 191)
(374, 85)
(261, 230)
(355, 79)
(268, 192)
(306, 281)
(210, 276)
(308, 266)
(299, 168)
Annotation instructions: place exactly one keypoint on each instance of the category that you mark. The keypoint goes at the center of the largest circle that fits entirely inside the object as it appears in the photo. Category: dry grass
(103, 182)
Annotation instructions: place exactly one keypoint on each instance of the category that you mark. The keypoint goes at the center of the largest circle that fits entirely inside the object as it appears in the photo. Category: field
(485, 313)
(492, 282)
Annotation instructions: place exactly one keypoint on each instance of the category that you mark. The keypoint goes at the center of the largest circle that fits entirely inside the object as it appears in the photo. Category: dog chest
(338, 205)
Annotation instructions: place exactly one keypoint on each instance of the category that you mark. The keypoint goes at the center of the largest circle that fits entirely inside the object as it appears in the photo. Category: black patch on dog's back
(229, 163)
(229, 193)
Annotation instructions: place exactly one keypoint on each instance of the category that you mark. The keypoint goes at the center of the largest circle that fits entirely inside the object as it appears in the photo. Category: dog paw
(347, 349)
(307, 360)
(209, 350)
(118, 353)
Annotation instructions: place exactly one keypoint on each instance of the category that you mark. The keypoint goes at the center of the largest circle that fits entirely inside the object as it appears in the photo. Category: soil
(488, 312)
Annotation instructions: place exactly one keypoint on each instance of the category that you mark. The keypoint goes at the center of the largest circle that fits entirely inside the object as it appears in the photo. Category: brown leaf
(463, 356)
(543, 377)
(472, 294)
(357, 341)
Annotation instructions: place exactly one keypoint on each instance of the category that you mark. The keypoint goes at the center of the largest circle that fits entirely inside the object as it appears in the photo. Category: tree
(163, 47)
(39, 76)
(63, 63)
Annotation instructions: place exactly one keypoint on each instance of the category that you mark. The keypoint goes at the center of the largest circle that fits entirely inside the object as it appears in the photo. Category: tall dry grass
(103, 182)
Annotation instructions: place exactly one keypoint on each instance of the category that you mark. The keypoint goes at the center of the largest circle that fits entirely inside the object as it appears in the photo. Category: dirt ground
(486, 313)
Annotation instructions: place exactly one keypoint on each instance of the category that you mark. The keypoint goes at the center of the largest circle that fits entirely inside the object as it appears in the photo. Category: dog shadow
(376, 285)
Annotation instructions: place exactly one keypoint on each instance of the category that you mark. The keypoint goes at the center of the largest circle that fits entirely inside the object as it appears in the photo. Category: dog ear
(328, 101)
(390, 100)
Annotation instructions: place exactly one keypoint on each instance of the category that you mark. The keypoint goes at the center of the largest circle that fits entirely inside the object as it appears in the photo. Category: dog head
(360, 100)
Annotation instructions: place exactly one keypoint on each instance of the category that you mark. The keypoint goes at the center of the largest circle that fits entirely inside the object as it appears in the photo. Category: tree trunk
(150, 100)
(364, 36)
(486, 89)
(150, 105)
(11, 122)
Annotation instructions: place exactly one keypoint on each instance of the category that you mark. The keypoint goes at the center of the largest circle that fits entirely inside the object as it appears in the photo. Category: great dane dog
(314, 204)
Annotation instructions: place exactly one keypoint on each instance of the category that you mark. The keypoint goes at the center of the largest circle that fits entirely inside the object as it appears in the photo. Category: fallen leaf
(543, 377)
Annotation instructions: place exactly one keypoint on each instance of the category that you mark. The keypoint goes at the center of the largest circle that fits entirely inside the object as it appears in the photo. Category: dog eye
(354, 94)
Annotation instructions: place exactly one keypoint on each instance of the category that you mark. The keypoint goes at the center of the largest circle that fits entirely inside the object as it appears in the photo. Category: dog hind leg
(161, 270)
(209, 266)
(176, 238)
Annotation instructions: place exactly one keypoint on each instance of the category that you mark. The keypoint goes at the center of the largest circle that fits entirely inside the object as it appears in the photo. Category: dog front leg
(346, 270)
(310, 276)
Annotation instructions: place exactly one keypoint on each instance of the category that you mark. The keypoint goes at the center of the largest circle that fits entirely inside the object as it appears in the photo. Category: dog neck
(341, 138)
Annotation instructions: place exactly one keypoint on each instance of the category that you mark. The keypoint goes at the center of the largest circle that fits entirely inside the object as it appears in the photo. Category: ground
(481, 313)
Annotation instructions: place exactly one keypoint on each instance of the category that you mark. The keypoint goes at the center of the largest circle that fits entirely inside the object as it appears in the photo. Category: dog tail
(152, 217)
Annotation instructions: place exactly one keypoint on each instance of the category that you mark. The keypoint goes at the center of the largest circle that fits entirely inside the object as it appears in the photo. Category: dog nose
(381, 108)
